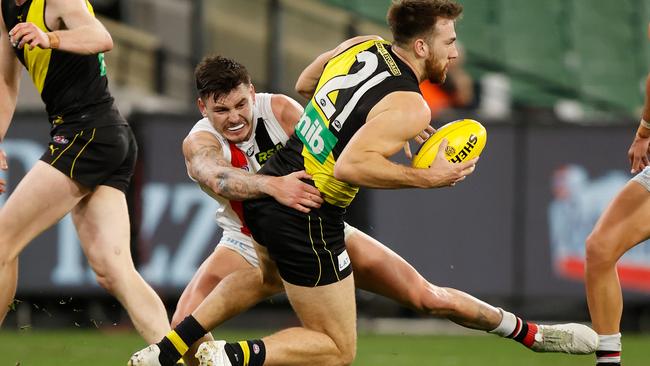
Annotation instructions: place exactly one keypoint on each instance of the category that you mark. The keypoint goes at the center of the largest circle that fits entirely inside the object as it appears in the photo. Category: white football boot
(146, 357)
(212, 353)
(572, 338)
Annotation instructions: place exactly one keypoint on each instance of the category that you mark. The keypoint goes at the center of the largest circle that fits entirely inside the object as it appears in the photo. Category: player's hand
(28, 34)
(291, 191)
(443, 173)
(638, 154)
(3, 166)
(420, 139)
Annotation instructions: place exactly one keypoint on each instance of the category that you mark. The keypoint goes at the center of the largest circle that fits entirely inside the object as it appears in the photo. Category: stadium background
(558, 85)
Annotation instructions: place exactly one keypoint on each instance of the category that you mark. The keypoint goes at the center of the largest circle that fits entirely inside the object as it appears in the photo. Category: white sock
(609, 348)
(507, 325)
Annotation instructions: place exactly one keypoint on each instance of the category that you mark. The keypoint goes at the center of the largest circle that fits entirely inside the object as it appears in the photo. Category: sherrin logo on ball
(466, 137)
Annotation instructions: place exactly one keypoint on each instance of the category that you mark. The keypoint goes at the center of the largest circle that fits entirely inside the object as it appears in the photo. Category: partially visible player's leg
(327, 335)
(221, 263)
(328, 332)
(380, 270)
(234, 294)
(41, 199)
(102, 222)
(623, 225)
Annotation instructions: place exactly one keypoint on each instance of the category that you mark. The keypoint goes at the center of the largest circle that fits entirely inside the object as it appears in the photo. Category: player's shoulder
(286, 111)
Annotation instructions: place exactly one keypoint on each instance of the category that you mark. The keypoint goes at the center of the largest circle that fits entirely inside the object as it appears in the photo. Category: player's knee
(108, 281)
(599, 251)
(8, 253)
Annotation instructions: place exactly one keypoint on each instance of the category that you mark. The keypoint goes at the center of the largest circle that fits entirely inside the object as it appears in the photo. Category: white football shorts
(243, 244)
(643, 178)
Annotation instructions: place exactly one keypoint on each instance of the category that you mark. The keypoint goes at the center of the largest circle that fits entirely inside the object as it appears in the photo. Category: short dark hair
(416, 18)
(217, 75)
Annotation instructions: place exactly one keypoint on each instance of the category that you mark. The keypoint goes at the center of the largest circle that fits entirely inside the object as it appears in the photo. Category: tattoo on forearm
(213, 171)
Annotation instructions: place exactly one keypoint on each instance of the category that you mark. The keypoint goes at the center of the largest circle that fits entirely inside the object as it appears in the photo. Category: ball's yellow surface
(466, 137)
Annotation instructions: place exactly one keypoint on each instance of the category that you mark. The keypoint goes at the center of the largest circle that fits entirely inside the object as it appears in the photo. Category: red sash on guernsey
(238, 160)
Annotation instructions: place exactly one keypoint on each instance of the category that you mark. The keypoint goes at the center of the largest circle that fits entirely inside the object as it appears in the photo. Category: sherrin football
(466, 138)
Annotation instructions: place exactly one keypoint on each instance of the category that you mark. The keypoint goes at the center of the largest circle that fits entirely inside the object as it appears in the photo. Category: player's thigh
(41, 199)
(270, 273)
(102, 222)
(222, 262)
(624, 223)
(380, 270)
(329, 309)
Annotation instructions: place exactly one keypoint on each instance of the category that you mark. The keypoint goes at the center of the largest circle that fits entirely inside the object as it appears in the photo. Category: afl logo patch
(60, 139)
(450, 151)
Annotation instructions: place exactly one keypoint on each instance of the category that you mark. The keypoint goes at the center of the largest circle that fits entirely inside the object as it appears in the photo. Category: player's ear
(201, 105)
(421, 48)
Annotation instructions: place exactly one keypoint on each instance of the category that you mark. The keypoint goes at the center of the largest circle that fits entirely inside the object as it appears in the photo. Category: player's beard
(437, 72)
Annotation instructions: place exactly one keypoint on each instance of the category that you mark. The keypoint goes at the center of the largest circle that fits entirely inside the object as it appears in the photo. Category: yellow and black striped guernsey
(351, 84)
(70, 85)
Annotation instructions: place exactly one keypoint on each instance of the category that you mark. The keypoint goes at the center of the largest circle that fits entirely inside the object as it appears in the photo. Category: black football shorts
(308, 249)
(93, 156)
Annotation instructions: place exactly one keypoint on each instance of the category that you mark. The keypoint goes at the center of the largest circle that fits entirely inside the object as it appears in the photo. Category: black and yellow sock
(177, 342)
(246, 353)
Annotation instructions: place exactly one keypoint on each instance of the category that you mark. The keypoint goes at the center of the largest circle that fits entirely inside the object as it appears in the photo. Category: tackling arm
(206, 164)
(216, 176)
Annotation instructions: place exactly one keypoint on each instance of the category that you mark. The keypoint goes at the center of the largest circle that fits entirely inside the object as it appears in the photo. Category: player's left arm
(308, 79)
(287, 111)
(78, 30)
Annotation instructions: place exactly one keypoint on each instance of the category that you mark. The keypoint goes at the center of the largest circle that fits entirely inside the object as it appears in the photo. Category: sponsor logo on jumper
(263, 156)
(315, 135)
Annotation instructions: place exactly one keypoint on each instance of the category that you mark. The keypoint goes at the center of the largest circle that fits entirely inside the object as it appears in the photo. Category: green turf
(84, 347)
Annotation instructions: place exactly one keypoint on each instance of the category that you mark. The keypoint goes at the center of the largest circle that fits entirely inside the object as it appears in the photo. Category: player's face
(442, 49)
(231, 114)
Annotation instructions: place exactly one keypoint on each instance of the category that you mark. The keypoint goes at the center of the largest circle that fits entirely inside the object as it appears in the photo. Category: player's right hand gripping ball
(466, 137)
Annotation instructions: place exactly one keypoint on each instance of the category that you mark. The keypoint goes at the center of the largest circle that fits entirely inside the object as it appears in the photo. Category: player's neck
(405, 56)
(20, 2)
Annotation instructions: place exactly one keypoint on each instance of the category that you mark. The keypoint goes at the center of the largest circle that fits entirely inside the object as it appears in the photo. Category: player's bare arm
(74, 30)
(399, 117)
(9, 85)
(207, 165)
(308, 79)
(638, 152)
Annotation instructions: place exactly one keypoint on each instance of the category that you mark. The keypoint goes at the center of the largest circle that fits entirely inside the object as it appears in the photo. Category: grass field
(86, 347)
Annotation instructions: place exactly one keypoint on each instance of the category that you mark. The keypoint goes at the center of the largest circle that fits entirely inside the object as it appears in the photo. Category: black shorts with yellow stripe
(308, 249)
(103, 155)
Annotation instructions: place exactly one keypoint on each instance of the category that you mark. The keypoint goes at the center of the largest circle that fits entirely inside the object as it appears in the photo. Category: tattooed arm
(206, 164)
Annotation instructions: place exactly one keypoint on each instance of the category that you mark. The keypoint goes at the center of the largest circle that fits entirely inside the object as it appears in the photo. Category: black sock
(177, 342)
(238, 351)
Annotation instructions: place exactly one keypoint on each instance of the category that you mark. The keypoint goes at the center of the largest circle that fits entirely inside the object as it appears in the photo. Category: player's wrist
(54, 39)
(643, 131)
(266, 185)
